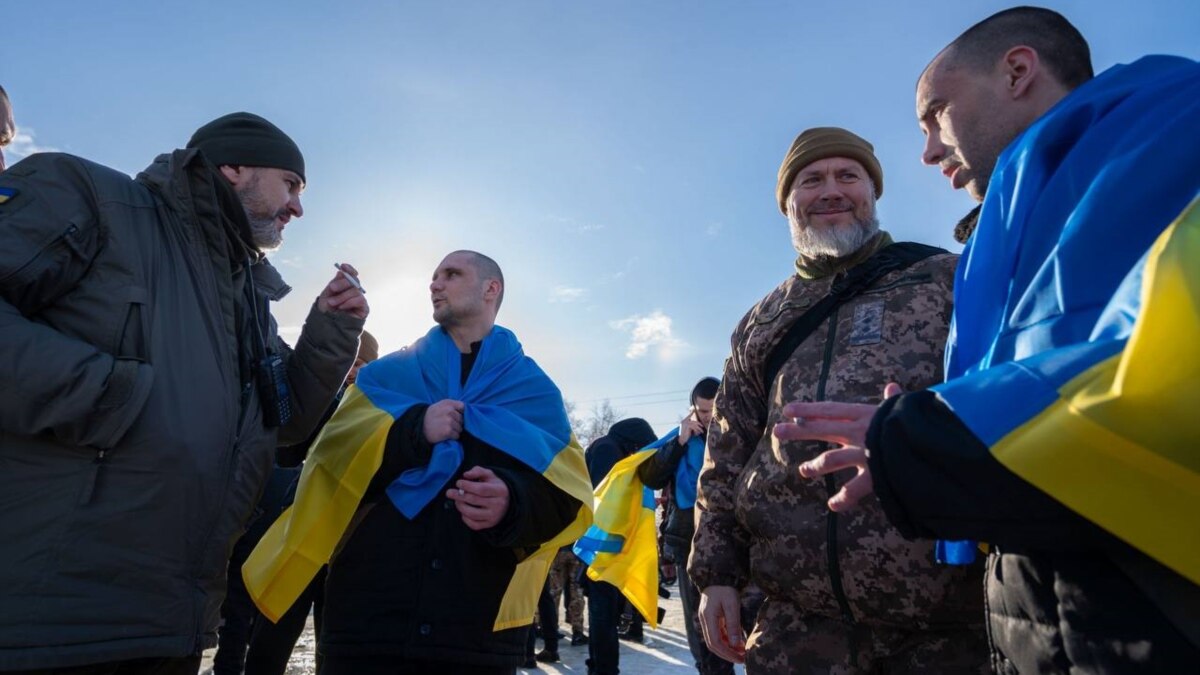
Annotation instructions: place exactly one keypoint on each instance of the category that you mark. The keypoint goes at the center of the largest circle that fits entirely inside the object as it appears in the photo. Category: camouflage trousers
(786, 642)
(564, 576)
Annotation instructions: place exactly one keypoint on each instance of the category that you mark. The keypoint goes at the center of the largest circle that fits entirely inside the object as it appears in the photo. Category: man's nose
(295, 207)
(934, 150)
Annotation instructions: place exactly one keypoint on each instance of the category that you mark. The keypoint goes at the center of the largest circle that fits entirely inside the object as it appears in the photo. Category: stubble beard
(265, 235)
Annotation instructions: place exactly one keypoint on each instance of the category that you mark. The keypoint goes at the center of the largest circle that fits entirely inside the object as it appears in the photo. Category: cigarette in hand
(350, 278)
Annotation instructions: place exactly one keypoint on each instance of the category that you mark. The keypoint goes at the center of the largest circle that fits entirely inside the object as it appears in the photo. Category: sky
(618, 159)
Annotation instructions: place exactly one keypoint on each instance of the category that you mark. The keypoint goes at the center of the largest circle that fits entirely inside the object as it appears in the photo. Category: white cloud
(24, 145)
(646, 331)
(713, 229)
(567, 294)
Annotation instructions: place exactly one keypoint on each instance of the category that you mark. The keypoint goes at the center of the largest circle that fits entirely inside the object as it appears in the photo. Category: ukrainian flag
(621, 547)
(509, 403)
(1075, 347)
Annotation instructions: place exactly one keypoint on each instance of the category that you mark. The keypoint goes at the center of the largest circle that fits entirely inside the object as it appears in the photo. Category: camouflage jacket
(759, 521)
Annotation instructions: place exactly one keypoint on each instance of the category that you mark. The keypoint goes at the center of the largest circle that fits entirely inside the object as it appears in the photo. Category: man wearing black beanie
(143, 390)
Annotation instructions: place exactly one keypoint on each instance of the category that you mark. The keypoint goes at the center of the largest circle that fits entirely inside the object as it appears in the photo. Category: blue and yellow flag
(509, 403)
(621, 546)
(1075, 346)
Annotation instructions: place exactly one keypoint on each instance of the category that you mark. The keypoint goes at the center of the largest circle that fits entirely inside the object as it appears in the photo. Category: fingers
(349, 268)
(892, 389)
(833, 431)
(834, 460)
(478, 473)
(852, 492)
(721, 624)
(828, 410)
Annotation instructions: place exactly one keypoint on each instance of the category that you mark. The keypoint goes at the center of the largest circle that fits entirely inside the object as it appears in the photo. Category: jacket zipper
(831, 522)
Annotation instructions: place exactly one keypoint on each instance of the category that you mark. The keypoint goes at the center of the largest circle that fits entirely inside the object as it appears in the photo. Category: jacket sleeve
(720, 548)
(51, 381)
(317, 367)
(406, 449)
(537, 510)
(657, 471)
(937, 480)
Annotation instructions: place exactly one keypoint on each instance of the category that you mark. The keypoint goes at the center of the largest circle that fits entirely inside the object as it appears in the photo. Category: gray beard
(263, 233)
(839, 242)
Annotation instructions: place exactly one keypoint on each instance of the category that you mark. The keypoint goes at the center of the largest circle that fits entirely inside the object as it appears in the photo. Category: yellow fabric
(344, 458)
(569, 473)
(620, 511)
(1121, 446)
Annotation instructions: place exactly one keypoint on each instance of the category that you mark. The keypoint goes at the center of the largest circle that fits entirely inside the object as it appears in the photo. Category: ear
(492, 290)
(236, 175)
(1021, 67)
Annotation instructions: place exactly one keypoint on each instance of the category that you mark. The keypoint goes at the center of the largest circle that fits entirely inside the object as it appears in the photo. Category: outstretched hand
(842, 423)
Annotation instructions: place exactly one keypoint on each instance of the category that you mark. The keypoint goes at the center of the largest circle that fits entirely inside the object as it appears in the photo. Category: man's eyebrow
(927, 107)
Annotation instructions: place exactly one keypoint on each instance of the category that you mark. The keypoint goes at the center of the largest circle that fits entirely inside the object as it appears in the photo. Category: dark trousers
(548, 619)
(188, 665)
(604, 608)
(238, 612)
(271, 644)
(707, 663)
(392, 665)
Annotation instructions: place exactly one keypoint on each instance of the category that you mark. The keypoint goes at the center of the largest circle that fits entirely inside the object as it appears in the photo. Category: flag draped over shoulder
(621, 546)
(1075, 346)
(509, 403)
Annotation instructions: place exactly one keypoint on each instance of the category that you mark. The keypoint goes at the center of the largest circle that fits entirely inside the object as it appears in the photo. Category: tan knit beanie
(821, 143)
(368, 347)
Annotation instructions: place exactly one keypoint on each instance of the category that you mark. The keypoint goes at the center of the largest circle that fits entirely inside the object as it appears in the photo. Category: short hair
(487, 269)
(705, 389)
(1058, 43)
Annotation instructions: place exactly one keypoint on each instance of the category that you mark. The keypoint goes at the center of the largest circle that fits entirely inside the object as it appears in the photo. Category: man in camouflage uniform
(564, 578)
(844, 594)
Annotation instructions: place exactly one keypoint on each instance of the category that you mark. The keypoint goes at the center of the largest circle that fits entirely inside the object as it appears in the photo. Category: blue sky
(617, 158)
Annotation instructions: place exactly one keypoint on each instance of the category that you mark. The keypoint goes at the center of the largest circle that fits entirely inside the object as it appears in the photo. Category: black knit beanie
(245, 139)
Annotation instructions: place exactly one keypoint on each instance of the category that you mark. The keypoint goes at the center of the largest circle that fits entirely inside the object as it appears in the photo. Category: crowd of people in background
(913, 462)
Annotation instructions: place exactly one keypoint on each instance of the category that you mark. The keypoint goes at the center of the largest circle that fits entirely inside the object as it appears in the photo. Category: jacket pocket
(911, 280)
(43, 269)
(133, 337)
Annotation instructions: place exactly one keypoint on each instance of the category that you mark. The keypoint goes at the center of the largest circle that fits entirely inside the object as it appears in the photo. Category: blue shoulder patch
(7, 193)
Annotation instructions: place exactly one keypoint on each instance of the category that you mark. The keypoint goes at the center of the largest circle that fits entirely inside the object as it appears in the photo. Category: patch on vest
(868, 323)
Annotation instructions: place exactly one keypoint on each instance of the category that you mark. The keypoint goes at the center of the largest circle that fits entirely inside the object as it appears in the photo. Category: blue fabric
(687, 474)
(509, 403)
(596, 540)
(1049, 284)
(960, 552)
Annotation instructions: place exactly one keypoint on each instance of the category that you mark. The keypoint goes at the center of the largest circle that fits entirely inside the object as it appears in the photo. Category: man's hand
(340, 295)
(481, 498)
(443, 421)
(844, 423)
(688, 427)
(721, 623)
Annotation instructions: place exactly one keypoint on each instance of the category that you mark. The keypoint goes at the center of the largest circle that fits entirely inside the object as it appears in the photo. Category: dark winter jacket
(132, 443)
(1062, 594)
(657, 473)
(428, 589)
(623, 439)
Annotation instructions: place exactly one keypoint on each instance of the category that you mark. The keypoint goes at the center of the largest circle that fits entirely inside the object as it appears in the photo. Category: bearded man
(843, 594)
(143, 390)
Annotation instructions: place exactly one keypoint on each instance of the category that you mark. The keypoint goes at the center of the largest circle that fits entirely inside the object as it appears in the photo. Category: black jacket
(658, 473)
(132, 441)
(1063, 595)
(429, 588)
(623, 439)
